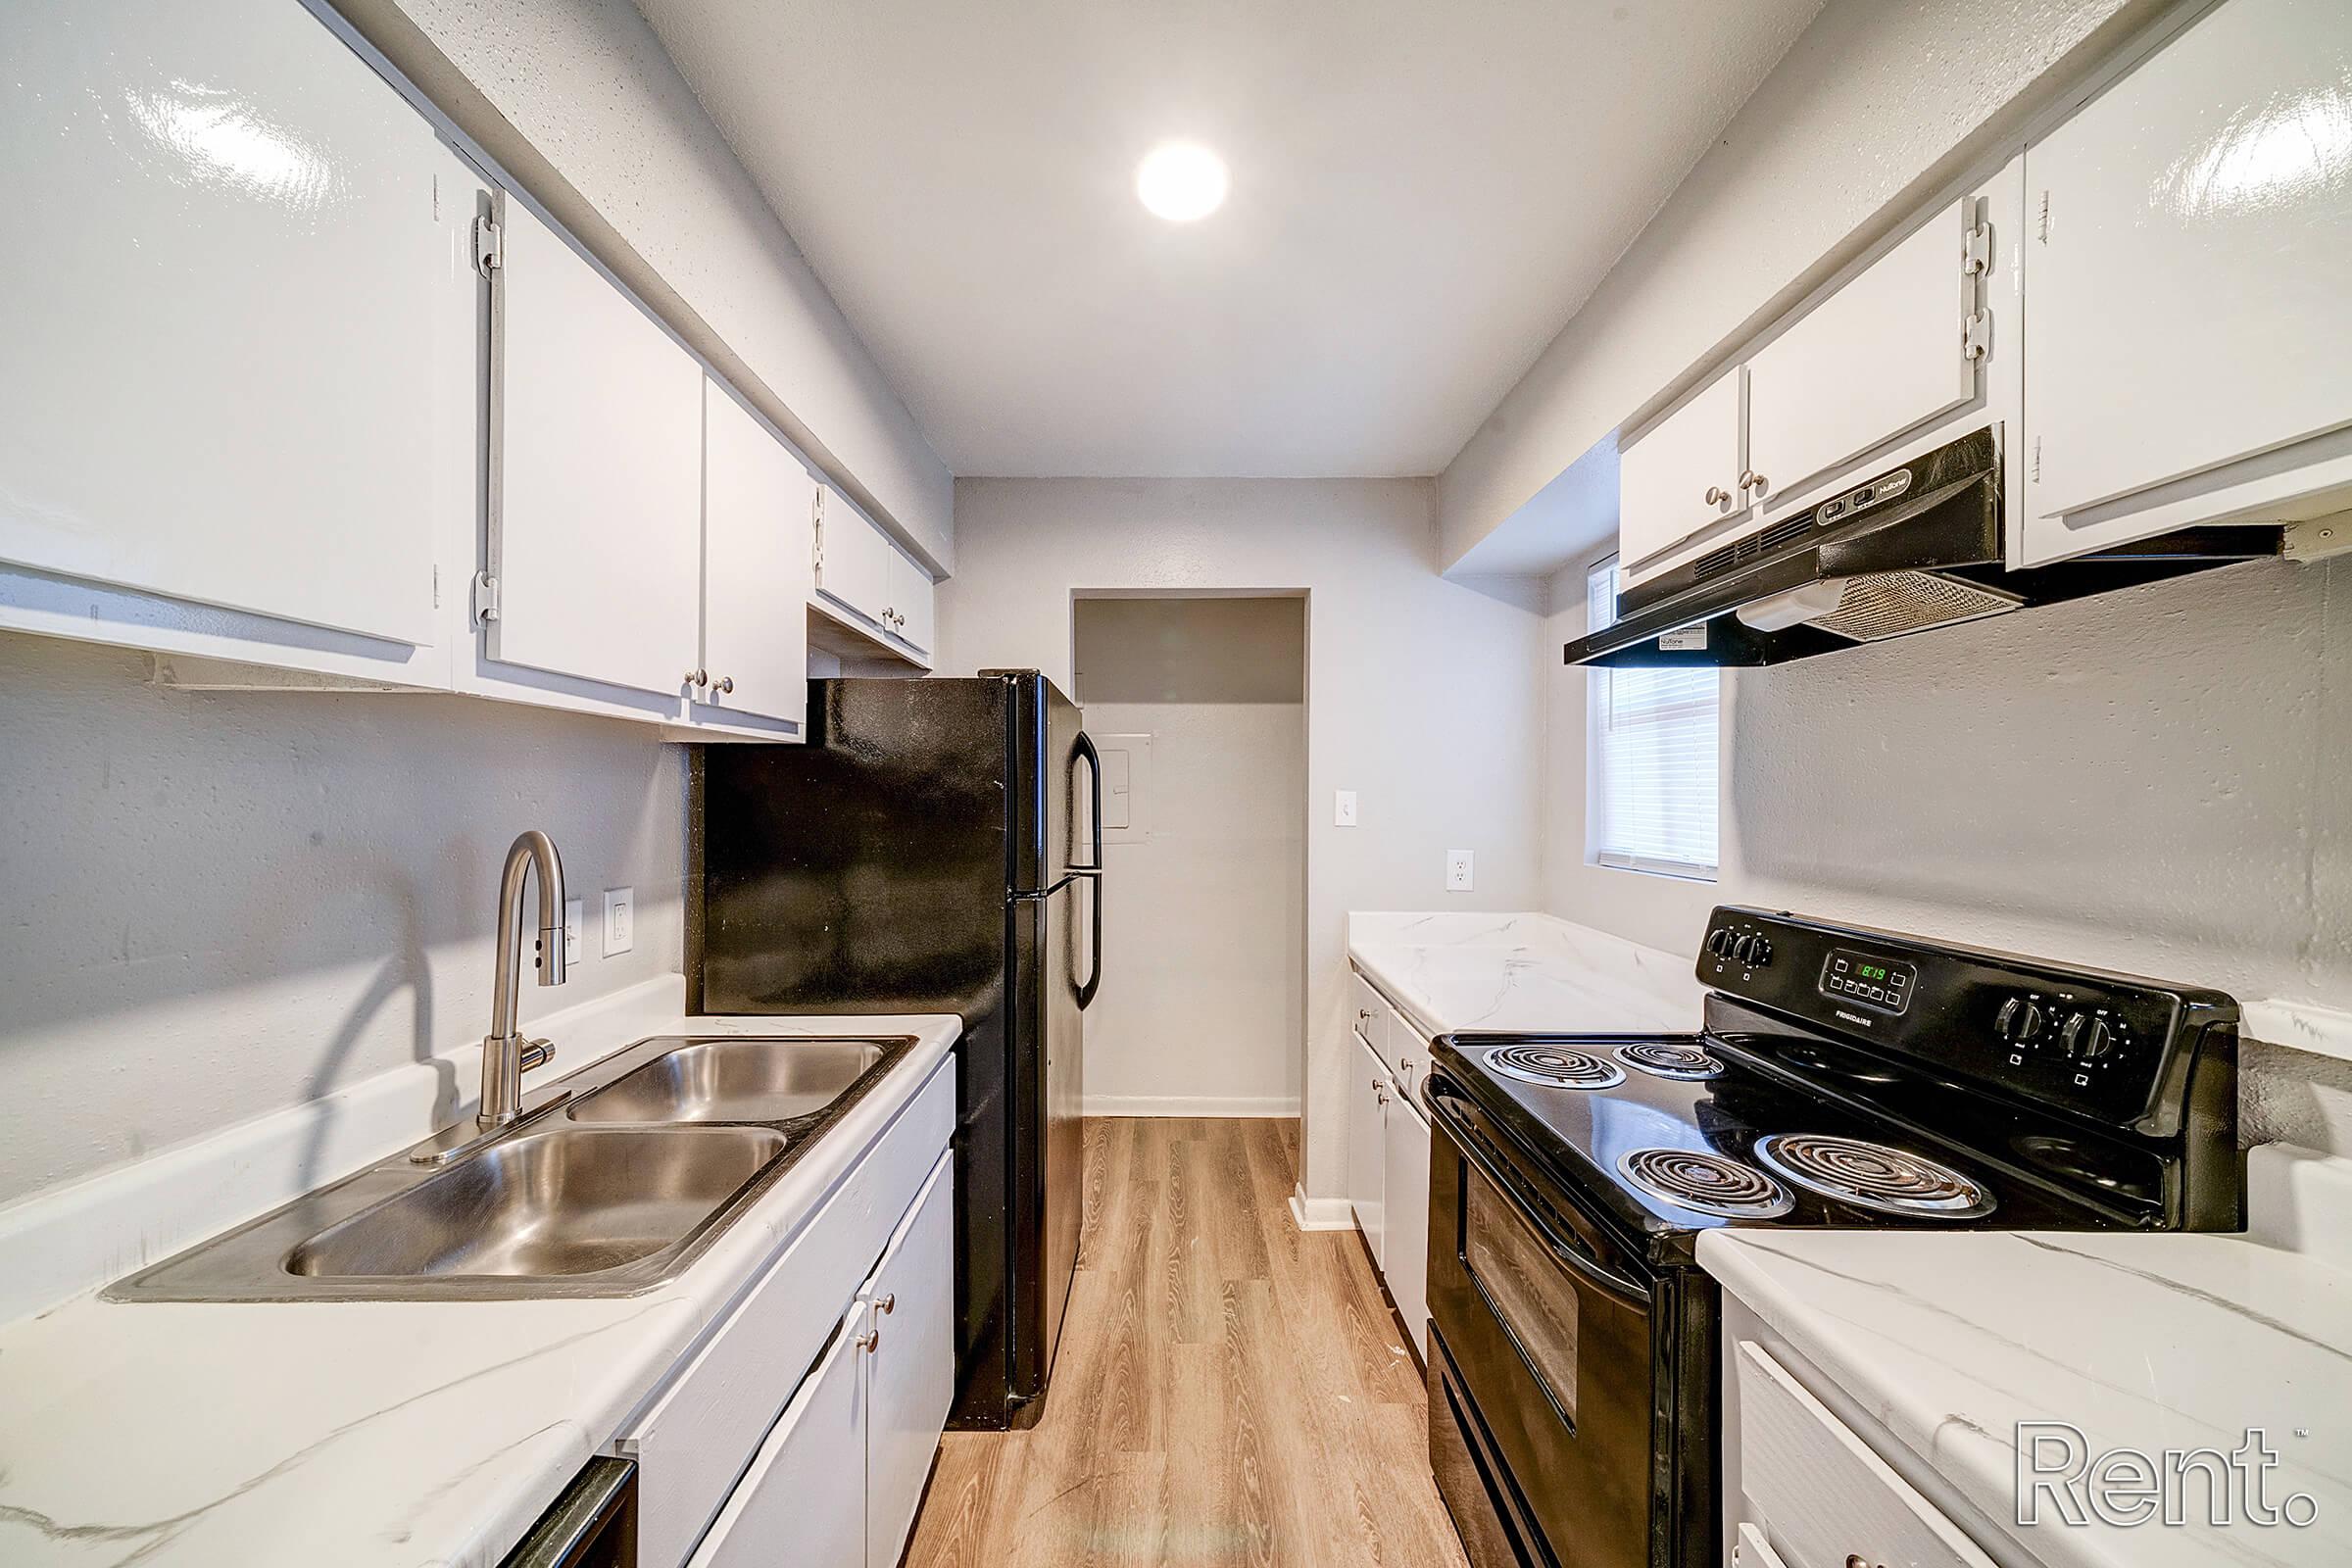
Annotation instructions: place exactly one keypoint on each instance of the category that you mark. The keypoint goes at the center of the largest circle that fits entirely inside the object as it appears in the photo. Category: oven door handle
(1465, 1138)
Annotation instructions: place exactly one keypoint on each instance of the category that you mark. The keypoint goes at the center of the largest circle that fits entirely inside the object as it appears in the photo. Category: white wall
(1878, 102)
(588, 85)
(1422, 693)
(220, 904)
(1202, 1009)
(2151, 780)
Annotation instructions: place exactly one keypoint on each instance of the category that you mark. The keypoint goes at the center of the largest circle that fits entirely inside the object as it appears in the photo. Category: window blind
(1654, 771)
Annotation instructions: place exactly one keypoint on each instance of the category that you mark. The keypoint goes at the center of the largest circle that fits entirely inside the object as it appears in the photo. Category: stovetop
(1586, 1136)
(1977, 1091)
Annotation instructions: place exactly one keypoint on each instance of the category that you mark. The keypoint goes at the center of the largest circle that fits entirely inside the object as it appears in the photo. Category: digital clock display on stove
(1874, 980)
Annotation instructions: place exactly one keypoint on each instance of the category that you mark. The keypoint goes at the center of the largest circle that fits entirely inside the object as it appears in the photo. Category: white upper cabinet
(908, 614)
(596, 528)
(852, 559)
(2191, 286)
(758, 515)
(1885, 353)
(1682, 478)
(236, 316)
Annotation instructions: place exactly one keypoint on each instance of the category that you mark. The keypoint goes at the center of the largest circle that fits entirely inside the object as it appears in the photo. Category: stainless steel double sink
(611, 1181)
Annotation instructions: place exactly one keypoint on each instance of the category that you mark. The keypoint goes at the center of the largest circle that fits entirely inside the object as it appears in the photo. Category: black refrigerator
(934, 846)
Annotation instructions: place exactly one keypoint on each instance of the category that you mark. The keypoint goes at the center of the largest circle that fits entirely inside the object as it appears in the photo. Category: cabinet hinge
(485, 598)
(2037, 468)
(2044, 235)
(488, 252)
(816, 519)
(436, 585)
(1976, 335)
(1975, 251)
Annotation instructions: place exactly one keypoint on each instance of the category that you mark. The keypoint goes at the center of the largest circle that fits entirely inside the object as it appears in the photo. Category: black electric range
(1843, 1077)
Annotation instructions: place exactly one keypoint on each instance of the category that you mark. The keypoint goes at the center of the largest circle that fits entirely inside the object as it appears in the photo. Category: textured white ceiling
(1422, 195)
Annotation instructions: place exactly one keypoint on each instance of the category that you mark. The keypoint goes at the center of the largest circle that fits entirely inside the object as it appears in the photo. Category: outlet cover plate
(1343, 808)
(1457, 870)
(620, 921)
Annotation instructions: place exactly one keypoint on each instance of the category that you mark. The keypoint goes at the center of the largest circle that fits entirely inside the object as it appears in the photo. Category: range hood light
(1796, 606)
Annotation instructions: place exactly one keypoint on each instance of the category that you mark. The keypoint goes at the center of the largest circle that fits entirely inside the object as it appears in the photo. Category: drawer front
(1817, 1494)
(1367, 1008)
(802, 1503)
(694, 1441)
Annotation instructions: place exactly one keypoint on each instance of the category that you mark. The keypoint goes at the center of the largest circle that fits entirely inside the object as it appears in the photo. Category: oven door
(1540, 1416)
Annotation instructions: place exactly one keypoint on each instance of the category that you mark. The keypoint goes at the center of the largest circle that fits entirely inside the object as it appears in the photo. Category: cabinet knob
(1752, 480)
(869, 1342)
(726, 683)
(698, 677)
(1716, 495)
(888, 1303)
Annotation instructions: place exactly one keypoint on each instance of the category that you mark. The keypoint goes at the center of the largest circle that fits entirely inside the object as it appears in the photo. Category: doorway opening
(1198, 707)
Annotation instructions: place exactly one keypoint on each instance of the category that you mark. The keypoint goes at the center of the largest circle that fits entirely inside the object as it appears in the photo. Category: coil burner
(1712, 1184)
(1554, 1067)
(1874, 1176)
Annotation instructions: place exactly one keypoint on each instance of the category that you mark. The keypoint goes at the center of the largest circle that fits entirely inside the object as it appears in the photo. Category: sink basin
(575, 1201)
(612, 1180)
(766, 1079)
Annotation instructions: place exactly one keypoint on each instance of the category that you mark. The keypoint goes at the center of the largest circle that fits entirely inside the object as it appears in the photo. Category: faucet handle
(537, 1054)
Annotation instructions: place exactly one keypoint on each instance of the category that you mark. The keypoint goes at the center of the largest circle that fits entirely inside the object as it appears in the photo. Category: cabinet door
(910, 1365)
(756, 523)
(597, 419)
(1682, 478)
(236, 313)
(2192, 300)
(853, 560)
(1404, 1049)
(1405, 1180)
(1367, 1144)
(911, 595)
(802, 1503)
(1880, 356)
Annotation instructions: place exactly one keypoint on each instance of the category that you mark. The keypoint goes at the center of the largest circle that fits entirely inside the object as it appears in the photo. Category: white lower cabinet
(1405, 1180)
(795, 1506)
(910, 1367)
(1368, 1090)
(1388, 1154)
(1808, 1493)
(837, 1481)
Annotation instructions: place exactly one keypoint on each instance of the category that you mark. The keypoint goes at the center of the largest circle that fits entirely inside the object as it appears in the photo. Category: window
(1652, 768)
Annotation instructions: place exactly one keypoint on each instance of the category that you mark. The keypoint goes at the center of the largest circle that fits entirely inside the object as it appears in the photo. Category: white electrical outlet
(621, 919)
(1343, 808)
(572, 930)
(1457, 870)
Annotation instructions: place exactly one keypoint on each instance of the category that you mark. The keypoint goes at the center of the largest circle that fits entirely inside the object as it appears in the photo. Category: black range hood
(1917, 547)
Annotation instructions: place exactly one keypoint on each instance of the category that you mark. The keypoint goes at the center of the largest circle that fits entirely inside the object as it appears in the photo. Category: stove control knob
(1745, 949)
(1759, 954)
(2087, 1037)
(1720, 944)
(2019, 1021)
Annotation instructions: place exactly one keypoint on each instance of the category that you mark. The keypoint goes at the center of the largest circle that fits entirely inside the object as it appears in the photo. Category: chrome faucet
(506, 1055)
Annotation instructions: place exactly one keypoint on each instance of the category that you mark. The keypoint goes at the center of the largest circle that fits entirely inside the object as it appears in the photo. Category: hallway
(1228, 1390)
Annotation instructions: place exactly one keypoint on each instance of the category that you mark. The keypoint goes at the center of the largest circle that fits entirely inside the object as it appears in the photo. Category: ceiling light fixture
(1181, 181)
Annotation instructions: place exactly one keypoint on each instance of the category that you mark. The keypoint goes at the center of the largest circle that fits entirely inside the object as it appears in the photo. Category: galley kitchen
(814, 785)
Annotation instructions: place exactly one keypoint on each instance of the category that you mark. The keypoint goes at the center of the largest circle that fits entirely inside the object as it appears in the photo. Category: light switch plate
(621, 919)
(572, 930)
(1343, 808)
(1457, 870)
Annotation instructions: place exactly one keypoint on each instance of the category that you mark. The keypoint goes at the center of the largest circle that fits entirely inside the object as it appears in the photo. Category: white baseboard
(1321, 1214)
(1190, 1105)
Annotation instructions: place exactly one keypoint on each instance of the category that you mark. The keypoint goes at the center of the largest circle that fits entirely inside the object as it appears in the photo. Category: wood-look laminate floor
(1228, 1390)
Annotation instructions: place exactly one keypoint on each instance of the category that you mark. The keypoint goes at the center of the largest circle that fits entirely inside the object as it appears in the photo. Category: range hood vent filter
(1894, 603)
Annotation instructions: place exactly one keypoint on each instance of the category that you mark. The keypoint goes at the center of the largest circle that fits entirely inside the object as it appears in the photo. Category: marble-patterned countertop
(394, 1434)
(1460, 971)
(2142, 1342)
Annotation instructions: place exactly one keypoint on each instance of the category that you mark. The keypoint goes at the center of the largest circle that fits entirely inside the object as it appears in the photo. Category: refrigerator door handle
(1093, 874)
(1093, 769)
